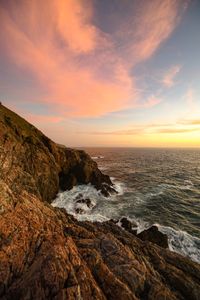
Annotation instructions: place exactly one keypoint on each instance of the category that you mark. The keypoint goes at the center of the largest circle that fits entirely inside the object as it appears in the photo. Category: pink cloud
(151, 101)
(33, 118)
(79, 67)
(153, 23)
(169, 78)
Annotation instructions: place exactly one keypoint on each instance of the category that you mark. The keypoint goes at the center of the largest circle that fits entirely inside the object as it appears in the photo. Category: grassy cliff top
(13, 123)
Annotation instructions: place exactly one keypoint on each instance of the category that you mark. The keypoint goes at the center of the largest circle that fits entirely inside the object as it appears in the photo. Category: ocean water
(155, 186)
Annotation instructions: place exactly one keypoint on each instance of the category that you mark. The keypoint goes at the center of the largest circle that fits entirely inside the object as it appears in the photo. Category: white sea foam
(97, 157)
(187, 185)
(179, 241)
(103, 209)
(119, 187)
(68, 201)
(102, 168)
(182, 242)
(159, 190)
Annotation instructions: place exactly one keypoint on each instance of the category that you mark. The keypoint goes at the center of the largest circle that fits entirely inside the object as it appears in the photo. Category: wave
(97, 157)
(179, 241)
(102, 209)
(187, 185)
(164, 188)
(102, 168)
(182, 242)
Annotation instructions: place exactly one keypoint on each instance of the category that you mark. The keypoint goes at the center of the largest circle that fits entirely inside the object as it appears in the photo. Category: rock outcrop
(153, 235)
(32, 162)
(47, 254)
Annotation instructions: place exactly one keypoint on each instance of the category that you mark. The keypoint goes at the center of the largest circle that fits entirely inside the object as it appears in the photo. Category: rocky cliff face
(32, 162)
(47, 254)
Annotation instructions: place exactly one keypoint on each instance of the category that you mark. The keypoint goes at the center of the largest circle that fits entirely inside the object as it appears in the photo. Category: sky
(114, 73)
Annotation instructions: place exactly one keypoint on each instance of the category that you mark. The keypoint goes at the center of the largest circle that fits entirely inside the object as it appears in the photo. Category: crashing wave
(103, 209)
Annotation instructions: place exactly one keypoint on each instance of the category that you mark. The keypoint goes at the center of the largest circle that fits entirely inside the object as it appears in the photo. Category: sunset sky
(104, 72)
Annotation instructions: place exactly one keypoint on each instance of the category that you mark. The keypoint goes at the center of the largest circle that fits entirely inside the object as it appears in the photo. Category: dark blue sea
(155, 186)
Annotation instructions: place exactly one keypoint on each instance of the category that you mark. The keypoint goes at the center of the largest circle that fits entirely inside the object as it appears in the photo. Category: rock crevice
(47, 254)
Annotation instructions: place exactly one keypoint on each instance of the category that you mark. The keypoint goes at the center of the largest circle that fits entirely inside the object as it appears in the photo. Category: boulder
(128, 225)
(153, 235)
(79, 211)
(86, 201)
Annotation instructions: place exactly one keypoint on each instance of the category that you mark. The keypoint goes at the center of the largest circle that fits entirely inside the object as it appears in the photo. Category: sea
(155, 187)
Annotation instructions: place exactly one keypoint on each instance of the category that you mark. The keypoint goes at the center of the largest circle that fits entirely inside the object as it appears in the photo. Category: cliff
(32, 162)
(47, 254)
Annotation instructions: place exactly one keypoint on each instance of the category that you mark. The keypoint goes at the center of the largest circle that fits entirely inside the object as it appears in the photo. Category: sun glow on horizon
(104, 73)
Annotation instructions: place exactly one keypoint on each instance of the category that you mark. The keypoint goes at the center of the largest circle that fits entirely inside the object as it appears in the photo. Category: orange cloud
(79, 68)
(73, 23)
(146, 129)
(177, 130)
(169, 78)
(33, 118)
(191, 121)
(181, 126)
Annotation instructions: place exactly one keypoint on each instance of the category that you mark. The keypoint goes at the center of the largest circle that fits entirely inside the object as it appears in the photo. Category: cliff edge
(47, 254)
(31, 161)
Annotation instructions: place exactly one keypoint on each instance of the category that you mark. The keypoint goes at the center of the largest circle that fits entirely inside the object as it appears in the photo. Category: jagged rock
(86, 201)
(107, 189)
(79, 211)
(153, 235)
(128, 225)
(30, 160)
(47, 254)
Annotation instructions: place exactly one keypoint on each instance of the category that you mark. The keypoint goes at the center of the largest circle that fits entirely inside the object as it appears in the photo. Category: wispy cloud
(177, 130)
(133, 131)
(169, 78)
(81, 70)
(190, 99)
(179, 127)
(190, 122)
(154, 23)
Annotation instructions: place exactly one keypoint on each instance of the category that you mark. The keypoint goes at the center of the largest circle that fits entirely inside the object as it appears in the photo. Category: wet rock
(79, 211)
(47, 254)
(128, 225)
(108, 190)
(153, 235)
(86, 201)
(79, 196)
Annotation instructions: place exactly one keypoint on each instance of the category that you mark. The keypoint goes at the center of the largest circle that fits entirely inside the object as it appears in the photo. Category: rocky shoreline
(47, 254)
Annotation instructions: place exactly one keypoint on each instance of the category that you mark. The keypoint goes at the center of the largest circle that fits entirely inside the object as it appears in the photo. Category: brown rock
(47, 254)
(128, 225)
(153, 235)
(30, 159)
